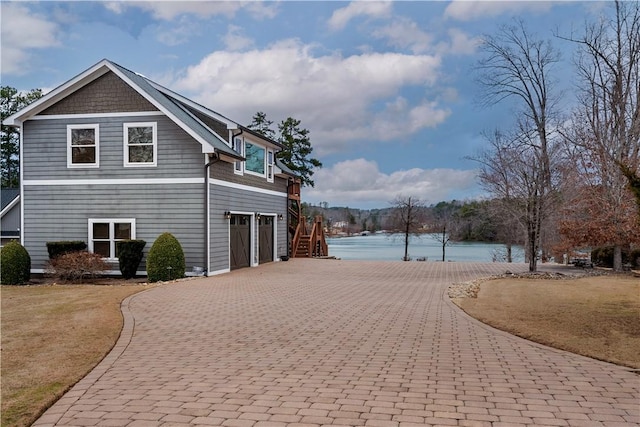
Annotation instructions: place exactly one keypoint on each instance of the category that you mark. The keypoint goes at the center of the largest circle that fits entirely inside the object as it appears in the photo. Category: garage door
(266, 238)
(240, 241)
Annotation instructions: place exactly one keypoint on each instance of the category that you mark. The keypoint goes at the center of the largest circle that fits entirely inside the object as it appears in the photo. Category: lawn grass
(53, 335)
(596, 316)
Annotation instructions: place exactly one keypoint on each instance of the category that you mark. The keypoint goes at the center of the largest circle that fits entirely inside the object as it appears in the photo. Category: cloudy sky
(386, 89)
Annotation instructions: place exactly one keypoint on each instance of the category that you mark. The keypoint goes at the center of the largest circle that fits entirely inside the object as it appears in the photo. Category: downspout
(213, 158)
(288, 203)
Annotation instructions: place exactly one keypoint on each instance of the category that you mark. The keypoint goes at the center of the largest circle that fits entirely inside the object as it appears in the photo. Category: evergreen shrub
(56, 249)
(15, 264)
(165, 260)
(129, 256)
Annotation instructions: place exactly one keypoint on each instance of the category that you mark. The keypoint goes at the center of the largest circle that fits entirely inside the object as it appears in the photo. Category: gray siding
(62, 213)
(231, 199)
(10, 222)
(106, 94)
(224, 171)
(45, 150)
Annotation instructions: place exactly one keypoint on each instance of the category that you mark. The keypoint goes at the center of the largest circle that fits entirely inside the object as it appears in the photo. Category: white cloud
(469, 10)
(235, 40)
(360, 182)
(168, 10)
(21, 32)
(460, 43)
(341, 17)
(178, 32)
(337, 98)
(405, 34)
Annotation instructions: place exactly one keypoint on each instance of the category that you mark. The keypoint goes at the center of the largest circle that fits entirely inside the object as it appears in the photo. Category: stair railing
(301, 230)
(317, 241)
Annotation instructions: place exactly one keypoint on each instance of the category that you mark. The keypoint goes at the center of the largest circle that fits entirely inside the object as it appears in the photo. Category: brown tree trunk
(617, 258)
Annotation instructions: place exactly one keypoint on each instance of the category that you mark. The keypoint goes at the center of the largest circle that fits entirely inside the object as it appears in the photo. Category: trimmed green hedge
(56, 249)
(15, 264)
(129, 256)
(165, 260)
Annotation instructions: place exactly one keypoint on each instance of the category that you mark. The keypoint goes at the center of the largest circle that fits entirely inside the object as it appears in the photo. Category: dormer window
(255, 155)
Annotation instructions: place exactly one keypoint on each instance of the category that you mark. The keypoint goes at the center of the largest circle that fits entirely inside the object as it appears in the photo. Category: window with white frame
(104, 233)
(140, 144)
(83, 146)
(255, 155)
(238, 147)
(270, 160)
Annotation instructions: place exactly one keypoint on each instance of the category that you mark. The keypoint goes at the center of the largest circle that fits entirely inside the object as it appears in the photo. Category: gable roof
(10, 197)
(211, 142)
(190, 104)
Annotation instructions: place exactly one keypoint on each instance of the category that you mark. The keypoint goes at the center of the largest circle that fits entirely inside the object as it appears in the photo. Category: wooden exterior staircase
(307, 240)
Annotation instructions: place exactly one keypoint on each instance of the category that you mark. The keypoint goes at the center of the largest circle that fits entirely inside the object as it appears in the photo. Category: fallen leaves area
(595, 316)
(53, 335)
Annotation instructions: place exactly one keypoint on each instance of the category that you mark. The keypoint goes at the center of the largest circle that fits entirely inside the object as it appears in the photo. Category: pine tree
(297, 150)
(12, 101)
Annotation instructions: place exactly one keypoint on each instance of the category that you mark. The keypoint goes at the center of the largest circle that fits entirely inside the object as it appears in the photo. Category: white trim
(11, 204)
(96, 135)
(221, 271)
(96, 115)
(154, 144)
(140, 181)
(246, 187)
(112, 239)
(21, 185)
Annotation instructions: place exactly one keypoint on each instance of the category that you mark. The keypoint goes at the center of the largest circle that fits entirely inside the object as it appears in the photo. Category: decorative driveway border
(326, 342)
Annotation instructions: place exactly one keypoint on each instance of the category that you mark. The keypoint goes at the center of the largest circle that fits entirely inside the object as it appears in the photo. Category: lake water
(391, 248)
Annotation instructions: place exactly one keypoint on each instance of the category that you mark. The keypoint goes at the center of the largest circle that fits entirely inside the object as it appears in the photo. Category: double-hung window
(140, 144)
(83, 146)
(104, 233)
(238, 147)
(270, 161)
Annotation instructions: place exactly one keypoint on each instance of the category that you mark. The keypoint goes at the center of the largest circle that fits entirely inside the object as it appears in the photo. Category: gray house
(10, 215)
(111, 155)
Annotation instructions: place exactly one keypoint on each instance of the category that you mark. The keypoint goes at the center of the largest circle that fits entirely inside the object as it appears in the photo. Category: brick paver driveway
(315, 342)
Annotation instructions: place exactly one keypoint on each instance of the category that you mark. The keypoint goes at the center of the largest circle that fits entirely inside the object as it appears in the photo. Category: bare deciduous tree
(604, 134)
(407, 217)
(518, 66)
(443, 225)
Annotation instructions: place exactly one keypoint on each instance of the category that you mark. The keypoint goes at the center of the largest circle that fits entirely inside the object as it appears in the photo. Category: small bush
(15, 264)
(129, 256)
(76, 266)
(56, 249)
(165, 260)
